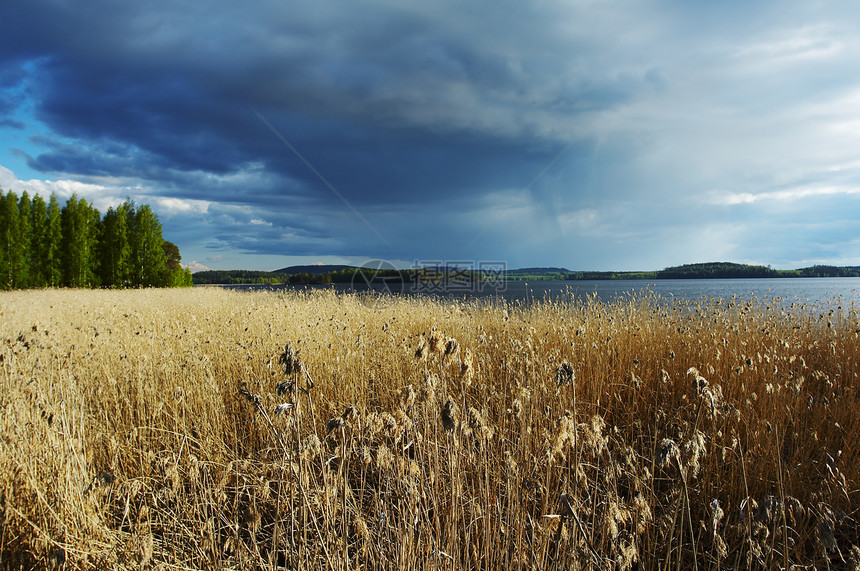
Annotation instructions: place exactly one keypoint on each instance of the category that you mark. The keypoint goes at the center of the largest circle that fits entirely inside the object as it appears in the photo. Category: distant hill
(717, 270)
(707, 270)
(539, 271)
(325, 274)
(207, 277)
(825, 272)
(316, 270)
(720, 270)
(531, 274)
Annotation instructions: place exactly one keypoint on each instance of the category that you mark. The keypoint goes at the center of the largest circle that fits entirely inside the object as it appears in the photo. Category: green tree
(114, 247)
(4, 242)
(80, 226)
(180, 278)
(148, 259)
(50, 248)
(4, 254)
(13, 251)
(174, 274)
(171, 252)
(187, 278)
(46, 245)
(25, 241)
(39, 224)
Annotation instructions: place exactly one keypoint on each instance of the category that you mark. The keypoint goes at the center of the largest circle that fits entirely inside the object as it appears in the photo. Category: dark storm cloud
(12, 76)
(350, 87)
(391, 106)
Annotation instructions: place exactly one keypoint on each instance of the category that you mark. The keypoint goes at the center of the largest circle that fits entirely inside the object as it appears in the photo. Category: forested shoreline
(44, 244)
(348, 274)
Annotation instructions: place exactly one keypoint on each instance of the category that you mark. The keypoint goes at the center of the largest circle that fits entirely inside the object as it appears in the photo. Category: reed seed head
(407, 397)
(436, 344)
(477, 424)
(451, 347)
(249, 396)
(334, 424)
(449, 415)
(350, 414)
(466, 366)
(666, 452)
(693, 450)
(564, 374)
(285, 387)
(290, 360)
(421, 351)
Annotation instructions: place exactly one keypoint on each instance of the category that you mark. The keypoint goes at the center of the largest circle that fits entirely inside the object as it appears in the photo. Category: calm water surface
(818, 292)
(787, 290)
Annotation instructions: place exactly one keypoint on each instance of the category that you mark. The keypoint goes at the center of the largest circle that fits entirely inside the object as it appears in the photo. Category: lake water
(819, 292)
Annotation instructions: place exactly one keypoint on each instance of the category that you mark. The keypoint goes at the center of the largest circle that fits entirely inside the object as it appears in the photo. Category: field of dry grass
(206, 429)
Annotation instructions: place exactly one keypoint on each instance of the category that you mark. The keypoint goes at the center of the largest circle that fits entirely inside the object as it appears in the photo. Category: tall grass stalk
(208, 428)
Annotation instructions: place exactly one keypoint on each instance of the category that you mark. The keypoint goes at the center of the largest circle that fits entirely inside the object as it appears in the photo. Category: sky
(610, 135)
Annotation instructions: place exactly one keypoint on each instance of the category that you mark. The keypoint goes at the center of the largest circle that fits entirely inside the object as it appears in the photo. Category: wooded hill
(347, 274)
(721, 270)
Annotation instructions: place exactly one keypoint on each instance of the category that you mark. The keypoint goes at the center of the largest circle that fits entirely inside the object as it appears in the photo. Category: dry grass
(211, 429)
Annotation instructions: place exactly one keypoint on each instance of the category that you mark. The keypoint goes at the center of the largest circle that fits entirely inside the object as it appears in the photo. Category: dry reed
(210, 429)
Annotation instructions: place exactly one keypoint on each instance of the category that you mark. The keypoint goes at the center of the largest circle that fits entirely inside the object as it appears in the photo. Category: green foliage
(114, 247)
(537, 274)
(25, 240)
(79, 223)
(15, 233)
(344, 276)
(536, 277)
(181, 277)
(235, 277)
(300, 279)
(828, 272)
(52, 246)
(174, 274)
(147, 255)
(171, 253)
(10, 251)
(717, 270)
(44, 245)
(39, 224)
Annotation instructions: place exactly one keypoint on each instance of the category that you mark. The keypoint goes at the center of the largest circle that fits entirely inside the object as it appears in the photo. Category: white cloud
(170, 206)
(790, 194)
(796, 45)
(196, 266)
(102, 196)
(62, 188)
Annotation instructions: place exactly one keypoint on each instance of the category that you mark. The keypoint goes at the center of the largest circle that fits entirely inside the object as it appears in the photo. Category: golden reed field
(213, 429)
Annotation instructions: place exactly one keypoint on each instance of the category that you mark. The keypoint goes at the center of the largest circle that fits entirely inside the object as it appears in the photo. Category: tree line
(260, 277)
(229, 277)
(721, 270)
(45, 245)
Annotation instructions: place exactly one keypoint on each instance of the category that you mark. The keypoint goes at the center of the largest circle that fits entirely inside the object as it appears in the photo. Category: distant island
(329, 274)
